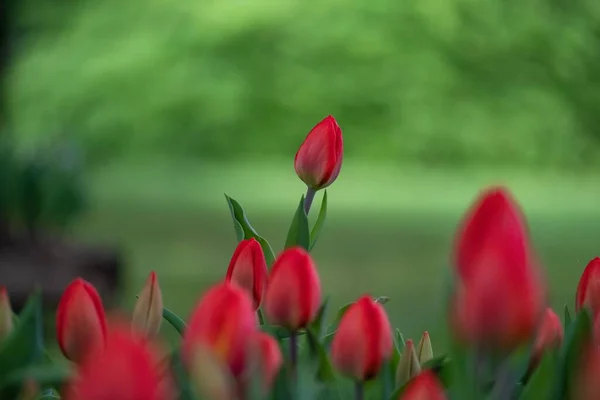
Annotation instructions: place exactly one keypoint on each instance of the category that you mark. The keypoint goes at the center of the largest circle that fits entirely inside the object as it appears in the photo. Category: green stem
(294, 362)
(359, 390)
(261, 317)
(308, 199)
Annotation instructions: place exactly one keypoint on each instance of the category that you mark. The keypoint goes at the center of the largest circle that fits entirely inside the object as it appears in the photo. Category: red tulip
(293, 293)
(248, 269)
(6, 314)
(319, 159)
(587, 384)
(588, 290)
(268, 356)
(223, 322)
(424, 386)
(129, 369)
(550, 334)
(363, 340)
(148, 311)
(80, 322)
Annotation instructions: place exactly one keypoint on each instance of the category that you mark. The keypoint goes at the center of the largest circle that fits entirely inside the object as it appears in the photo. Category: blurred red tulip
(80, 322)
(588, 290)
(6, 314)
(492, 227)
(424, 386)
(148, 310)
(550, 334)
(319, 159)
(269, 358)
(223, 322)
(293, 295)
(587, 384)
(363, 340)
(129, 369)
(248, 269)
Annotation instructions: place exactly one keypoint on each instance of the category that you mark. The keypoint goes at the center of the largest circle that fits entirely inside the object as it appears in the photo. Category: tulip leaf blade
(44, 375)
(244, 229)
(539, 385)
(48, 394)
(317, 324)
(325, 371)
(174, 320)
(25, 344)
(299, 232)
(382, 300)
(279, 332)
(318, 227)
(576, 338)
(568, 318)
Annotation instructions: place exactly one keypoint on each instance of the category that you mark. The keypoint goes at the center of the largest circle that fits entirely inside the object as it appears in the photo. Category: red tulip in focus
(293, 295)
(363, 340)
(319, 159)
(148, 311)
(80, 322)
(223, 322)
(588, 290)
(550, 334)
(500, 293)
(424, 386)
(6, 314)
(268, 356)
(248, 269)
(129, 369)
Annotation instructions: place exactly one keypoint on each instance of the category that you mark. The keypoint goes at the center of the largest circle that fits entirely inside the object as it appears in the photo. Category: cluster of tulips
(261, 333)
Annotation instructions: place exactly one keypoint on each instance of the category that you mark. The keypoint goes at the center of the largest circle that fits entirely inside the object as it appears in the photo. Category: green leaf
(576, 338)
(568, 318)
(436, 364)
(44, 375)
(175, 321)
(400, 339)
(334, 325)
(540, 384)
(299, 233)
(317, 324)
(382, 300)
(316, 230)
(325, 370)
(279, 332)
(25, 345)
(49, 394)
(244, 229)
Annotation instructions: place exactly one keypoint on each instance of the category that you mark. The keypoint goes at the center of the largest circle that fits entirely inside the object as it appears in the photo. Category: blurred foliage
(42, 188)
(438, 83)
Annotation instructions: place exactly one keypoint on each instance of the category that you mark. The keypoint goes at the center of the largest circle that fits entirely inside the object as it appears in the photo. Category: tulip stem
(308, 199)
(359, 389)
(294, 354)
(261, 317)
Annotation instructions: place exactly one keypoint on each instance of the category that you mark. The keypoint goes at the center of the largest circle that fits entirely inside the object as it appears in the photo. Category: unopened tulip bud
(425, 386)
(6, 314)
(550, 335)
(409, 366)
(210, 377)
(248, 269)
(268, 358)
(363, 340)
(425, 351)
(293, 294)
(319, 159)
(80, 322)
(588, 289)
(223, 322)
(148, 311)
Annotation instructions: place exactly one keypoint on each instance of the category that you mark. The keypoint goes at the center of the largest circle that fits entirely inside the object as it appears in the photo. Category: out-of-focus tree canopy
(445, 83)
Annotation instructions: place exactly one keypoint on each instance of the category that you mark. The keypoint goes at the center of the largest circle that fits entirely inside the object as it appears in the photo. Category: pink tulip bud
(6, 314)
(424, 386)
(588, 290)
(80, 322)
(293, 295)
(363, 340)
(550, 334)
(148, 311)
(248, 269)
(319, 159)
(269, 358)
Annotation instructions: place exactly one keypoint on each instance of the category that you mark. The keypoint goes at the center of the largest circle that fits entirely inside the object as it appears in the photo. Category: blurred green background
(175, 103)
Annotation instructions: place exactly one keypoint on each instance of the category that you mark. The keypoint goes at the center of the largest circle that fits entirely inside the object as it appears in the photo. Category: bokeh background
(159, 107)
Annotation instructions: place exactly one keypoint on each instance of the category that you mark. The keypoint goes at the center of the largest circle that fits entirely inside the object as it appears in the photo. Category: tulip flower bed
(265, 331)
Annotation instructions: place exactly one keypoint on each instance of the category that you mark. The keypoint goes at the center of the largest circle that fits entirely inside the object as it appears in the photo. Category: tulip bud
(550, 334)
(319, 159)
(588, 290)
(129, 368)
(425, 386)
(224, 322)
(363, 340)
(293, 294)
(80, 322)
(6, 314)
(148, 310)
(248, 269)
(210, 377)
(425, 351)
(268, 357)
(409, 366)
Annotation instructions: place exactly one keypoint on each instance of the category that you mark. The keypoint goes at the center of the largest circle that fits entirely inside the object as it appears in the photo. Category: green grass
(389, 232)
